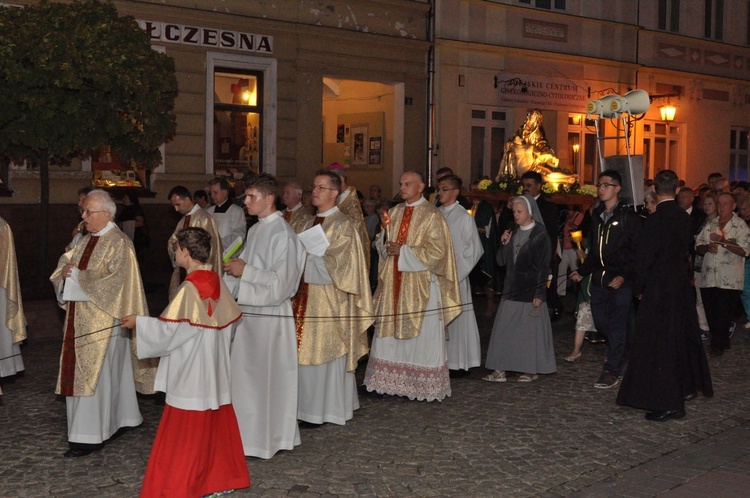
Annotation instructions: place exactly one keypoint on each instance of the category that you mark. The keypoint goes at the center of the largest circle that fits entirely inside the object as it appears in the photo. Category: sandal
(527, 377)
(495, 376)
(573, 358)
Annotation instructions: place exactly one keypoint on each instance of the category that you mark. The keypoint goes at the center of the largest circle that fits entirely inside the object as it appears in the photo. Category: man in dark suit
(532, 185)
(667, 364)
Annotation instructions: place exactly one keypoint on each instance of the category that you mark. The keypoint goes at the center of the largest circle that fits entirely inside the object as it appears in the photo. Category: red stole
(403, 232)
(287, 215)
(299, 301)
(68, 359)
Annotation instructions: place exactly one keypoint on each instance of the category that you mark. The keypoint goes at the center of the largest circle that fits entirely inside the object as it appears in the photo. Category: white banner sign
(544, 93)
(207, 37)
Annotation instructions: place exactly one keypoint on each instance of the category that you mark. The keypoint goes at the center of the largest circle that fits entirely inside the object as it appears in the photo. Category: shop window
(240, 114)
(237, 146)
(487, 142)
(669, 15)
(662, 148)
(738, 154)
(714, 19)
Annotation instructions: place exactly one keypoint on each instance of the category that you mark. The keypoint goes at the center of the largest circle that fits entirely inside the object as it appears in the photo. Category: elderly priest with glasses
(97, 282)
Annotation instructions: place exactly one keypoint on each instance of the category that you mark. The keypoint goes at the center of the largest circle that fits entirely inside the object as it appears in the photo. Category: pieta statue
(528, 150)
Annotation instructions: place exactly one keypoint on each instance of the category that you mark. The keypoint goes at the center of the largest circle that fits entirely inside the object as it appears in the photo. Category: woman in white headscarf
(522, 334)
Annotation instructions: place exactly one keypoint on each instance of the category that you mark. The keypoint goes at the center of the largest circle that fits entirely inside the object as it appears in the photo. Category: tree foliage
(77, 76)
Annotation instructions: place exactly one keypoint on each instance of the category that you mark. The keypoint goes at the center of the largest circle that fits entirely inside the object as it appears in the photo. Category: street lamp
(667, 112)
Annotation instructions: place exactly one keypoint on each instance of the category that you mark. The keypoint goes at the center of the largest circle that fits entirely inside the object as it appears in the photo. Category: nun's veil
(532, 206)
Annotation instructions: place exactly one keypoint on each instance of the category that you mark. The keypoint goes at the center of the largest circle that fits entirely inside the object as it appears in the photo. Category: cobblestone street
(557, 436)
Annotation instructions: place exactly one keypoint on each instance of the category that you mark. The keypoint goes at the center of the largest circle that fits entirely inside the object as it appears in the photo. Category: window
(714, 19)
(669, 15)
(546, 4)
(583, 157)
(487, 141)
(738, 154)
(662, 148)
(240, 114)
(237, 120)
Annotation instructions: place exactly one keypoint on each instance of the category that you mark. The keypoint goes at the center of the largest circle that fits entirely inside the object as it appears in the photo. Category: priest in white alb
(12, 319)
(464, 350)
(97, 282)
(333, 309)
(416, 299)
(264, 278)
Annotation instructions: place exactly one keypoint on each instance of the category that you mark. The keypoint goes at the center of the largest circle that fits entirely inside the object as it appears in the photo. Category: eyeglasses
(320, 187)
(89, 213)
(446, 189)
(606, 185)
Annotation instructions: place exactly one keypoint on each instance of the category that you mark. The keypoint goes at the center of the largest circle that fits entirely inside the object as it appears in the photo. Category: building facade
(497, 59)
(282, 87)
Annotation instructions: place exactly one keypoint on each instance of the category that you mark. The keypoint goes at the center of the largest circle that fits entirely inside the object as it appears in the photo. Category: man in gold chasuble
(417, 297)
(333, 309)
(99, 370)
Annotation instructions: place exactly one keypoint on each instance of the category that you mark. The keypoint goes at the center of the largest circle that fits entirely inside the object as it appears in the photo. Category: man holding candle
(417, 298)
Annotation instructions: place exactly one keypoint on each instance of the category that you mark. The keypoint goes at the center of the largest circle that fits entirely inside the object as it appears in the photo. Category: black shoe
(121, 431)
(663, 416)
(690, 397)
(457, 374)
(77, 452)
(555, 314)
(308, 425)
(716, 351)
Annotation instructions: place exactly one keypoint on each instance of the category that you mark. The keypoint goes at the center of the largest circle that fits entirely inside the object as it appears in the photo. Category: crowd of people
(266, 326)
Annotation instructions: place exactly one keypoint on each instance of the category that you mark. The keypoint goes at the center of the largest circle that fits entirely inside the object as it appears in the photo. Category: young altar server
(198, 449)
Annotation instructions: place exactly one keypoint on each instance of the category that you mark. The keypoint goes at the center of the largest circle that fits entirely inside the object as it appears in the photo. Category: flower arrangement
(512, 185)
(505, 183)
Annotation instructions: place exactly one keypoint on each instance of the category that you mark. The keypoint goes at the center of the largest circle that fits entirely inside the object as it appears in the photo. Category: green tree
(75, 77)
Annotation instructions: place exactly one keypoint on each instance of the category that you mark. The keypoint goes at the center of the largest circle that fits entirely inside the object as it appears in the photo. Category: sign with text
(207, 37)
(540, 92)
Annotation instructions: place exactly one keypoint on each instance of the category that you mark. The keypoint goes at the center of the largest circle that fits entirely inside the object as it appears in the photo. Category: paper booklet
(315, 241)
(72, 291)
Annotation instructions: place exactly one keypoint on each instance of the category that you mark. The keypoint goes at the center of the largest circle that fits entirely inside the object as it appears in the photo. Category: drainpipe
(430, 111)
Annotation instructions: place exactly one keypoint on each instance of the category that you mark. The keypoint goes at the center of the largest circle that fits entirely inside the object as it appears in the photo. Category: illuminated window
(237, 120)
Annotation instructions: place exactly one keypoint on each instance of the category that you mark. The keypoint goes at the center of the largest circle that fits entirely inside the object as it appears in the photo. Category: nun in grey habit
(522, 334)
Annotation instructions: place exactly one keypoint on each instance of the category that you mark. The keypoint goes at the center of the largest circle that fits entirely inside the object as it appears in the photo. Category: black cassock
(667, 361)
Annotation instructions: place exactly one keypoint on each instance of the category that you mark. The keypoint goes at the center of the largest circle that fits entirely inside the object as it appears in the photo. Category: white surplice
(464, 350)
(264, 351)
(194, 362)
(230, 224)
